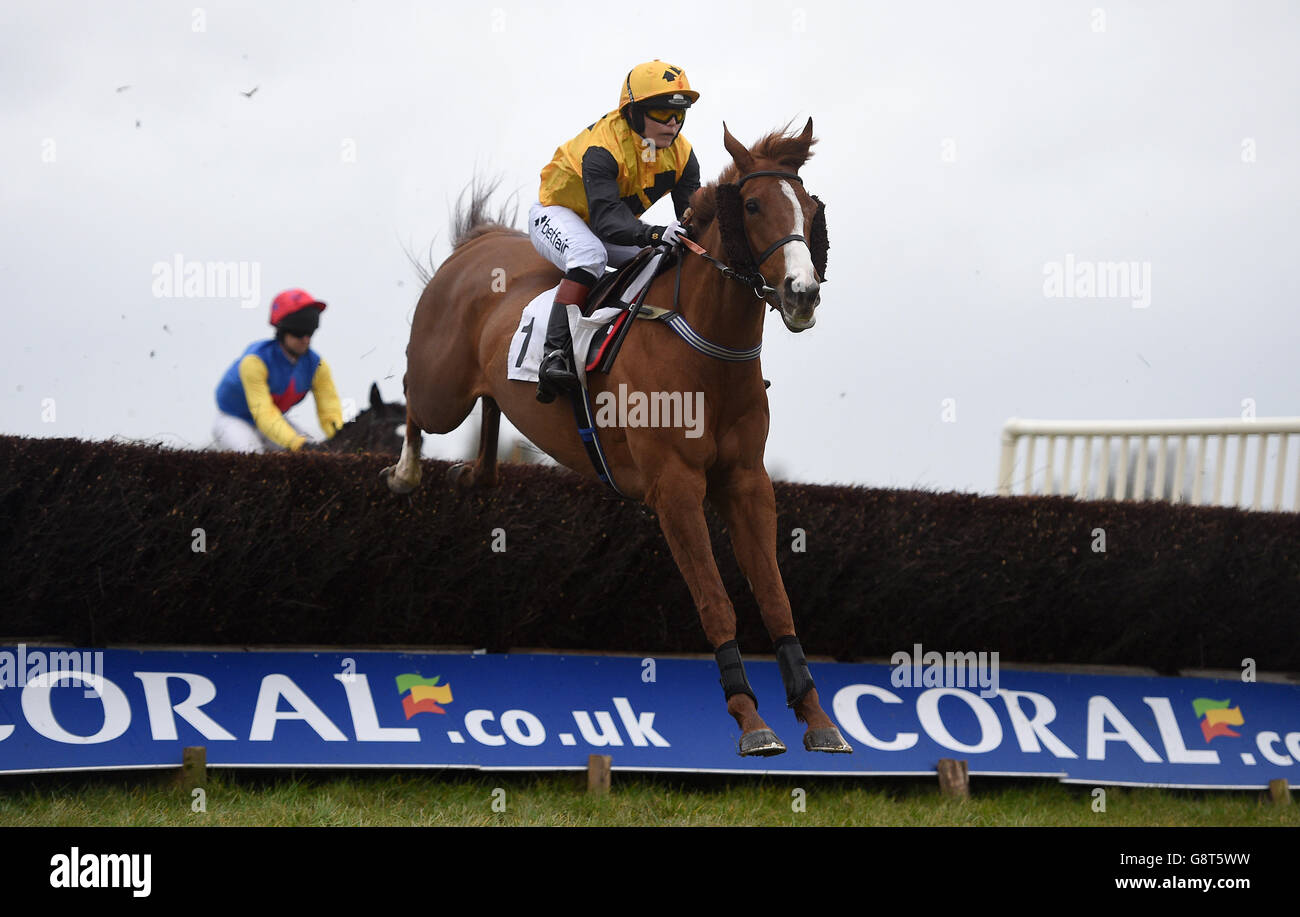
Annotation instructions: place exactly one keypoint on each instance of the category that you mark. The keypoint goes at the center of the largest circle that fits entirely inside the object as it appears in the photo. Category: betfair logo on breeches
(551, 234)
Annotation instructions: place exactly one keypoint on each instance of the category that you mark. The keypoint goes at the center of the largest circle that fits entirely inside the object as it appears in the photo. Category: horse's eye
(751, 205)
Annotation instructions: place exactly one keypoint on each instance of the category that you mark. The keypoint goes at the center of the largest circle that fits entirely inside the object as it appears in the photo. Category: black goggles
(299, 328)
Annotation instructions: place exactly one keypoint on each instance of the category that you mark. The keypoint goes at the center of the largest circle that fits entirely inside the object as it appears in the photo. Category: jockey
(595, 188)
(272, 376)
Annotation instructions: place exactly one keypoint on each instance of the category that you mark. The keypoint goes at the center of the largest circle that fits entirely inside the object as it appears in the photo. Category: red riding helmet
(291, 301)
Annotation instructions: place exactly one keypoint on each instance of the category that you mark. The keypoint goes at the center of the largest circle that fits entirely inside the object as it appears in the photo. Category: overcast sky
(967, 150)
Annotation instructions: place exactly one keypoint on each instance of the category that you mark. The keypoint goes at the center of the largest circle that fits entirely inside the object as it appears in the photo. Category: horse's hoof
(761, 742)
(827, 739)
(399, 486)
(461, 475)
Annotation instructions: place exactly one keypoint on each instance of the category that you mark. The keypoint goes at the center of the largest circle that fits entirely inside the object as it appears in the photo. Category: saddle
(614, 290)
(616, 282)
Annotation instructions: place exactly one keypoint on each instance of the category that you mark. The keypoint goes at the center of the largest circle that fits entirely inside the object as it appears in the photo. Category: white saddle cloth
(525, 355)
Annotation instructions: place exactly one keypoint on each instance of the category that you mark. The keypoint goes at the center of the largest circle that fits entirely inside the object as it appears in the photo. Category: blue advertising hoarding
(63, 709)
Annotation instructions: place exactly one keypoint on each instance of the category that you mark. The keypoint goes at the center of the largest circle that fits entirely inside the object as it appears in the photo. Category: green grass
(451, 798)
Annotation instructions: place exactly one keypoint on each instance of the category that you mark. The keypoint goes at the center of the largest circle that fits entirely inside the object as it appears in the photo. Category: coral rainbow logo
(1216, 716)
(423, 695)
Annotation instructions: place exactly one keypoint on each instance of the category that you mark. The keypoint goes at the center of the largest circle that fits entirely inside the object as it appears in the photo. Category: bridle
(752, 276)
(758, 262)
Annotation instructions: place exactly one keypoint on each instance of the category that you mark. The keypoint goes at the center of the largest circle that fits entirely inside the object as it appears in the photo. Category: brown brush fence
(97, 545)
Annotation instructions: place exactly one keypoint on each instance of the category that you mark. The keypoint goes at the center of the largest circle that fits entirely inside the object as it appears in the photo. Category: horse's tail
(471, 219)
(422, 271)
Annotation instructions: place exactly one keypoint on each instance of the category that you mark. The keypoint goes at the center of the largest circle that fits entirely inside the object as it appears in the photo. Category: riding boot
(557, 373)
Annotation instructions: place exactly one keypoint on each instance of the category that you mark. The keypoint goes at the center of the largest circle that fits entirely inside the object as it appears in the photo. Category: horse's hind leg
(482, 472)
(404, 477)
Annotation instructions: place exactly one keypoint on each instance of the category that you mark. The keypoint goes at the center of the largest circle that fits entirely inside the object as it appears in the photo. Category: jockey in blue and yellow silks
(597, 185)
(272, 376)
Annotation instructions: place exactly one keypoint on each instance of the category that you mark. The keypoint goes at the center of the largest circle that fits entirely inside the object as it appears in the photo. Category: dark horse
(378, 429)
(457, 355)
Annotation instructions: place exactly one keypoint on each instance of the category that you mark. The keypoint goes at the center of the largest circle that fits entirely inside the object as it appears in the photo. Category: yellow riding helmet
(665, 84)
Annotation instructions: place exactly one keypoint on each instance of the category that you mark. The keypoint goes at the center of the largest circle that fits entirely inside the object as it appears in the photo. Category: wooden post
(1279, 792)
(194, 768)
(598, 773)
(953, 778)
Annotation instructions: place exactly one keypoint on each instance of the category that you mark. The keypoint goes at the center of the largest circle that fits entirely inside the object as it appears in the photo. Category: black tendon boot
(557, 373)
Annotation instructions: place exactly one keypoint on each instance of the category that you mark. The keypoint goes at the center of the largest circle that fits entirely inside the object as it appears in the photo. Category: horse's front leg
(748, 505)
(677, 496)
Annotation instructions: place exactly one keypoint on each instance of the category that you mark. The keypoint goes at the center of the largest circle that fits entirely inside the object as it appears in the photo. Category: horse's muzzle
(798, 302)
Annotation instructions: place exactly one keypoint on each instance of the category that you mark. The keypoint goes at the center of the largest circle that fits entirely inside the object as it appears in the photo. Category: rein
(752, 279)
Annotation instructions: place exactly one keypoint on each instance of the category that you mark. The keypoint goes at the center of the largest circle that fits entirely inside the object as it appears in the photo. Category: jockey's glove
(675, 230)
(654, 235)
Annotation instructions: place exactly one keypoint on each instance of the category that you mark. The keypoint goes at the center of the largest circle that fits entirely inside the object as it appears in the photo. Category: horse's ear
(799, 148)
(376, 400)
(806, 138)
(740, 155)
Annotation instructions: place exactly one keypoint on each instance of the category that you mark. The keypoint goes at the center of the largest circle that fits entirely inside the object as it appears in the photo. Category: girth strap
(585, 417)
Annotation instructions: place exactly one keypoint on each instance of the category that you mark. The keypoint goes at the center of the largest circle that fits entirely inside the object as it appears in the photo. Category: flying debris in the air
(123, 88)
(137, 123)
(249, 94)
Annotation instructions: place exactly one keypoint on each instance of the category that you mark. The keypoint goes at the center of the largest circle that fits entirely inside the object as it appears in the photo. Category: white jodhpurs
(562, 238)
(234, 434)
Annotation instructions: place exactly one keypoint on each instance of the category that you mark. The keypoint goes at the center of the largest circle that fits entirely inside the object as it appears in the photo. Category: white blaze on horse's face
(800, 292)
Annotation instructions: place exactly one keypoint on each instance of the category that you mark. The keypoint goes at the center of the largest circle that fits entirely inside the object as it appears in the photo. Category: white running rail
(1163, 434)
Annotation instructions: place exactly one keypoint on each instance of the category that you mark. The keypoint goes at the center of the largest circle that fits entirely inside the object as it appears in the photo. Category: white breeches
(562, 238)
(234, 434)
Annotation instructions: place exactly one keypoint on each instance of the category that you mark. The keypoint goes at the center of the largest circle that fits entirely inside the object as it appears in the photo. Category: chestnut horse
(457, 354)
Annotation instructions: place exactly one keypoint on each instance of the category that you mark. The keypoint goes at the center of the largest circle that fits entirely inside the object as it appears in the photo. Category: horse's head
(378, 429)
(771, 226)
